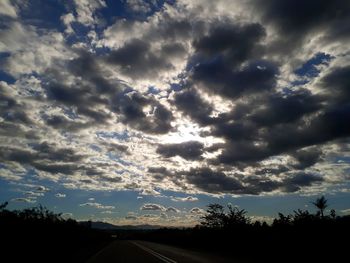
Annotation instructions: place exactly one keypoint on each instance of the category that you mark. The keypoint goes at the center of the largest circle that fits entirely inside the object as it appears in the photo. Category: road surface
(148, 252)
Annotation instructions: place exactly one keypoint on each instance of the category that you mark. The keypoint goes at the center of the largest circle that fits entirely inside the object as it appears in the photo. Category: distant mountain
(108, 226)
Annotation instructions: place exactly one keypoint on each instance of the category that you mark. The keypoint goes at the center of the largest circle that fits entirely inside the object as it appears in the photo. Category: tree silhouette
(39, 229)
(214, 217)
(333, 214)
(282, 220)
(321, 204)
(3, 205)
(235, 217)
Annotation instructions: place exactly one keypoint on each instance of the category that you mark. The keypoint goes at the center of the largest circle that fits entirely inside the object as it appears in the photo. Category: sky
(144, 112)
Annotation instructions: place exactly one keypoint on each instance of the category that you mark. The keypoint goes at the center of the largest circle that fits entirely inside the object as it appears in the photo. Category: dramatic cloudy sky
(138, 111)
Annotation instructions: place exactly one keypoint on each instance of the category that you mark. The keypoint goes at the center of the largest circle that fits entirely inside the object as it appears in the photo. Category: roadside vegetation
(301, 236)
(39, 235)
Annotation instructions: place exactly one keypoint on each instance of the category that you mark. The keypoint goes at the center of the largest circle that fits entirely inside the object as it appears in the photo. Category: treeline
(298, 237)
(39, 235)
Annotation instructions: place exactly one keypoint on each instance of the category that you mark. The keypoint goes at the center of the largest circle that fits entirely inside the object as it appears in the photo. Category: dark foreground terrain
(149, 252)
(38, 235)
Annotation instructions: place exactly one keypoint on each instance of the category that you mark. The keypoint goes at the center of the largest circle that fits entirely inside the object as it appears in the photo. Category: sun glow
(184, 133)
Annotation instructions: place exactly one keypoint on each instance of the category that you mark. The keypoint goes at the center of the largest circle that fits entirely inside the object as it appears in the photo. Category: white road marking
(160, 256)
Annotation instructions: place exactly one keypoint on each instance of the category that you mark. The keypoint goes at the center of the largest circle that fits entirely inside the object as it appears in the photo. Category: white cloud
(97, 205)
(149, 191)
(152, 207)
(139, 6)
(67, 20)
(60, 195)
(184, 199)
(131, 217)
(163, 215)
(172, 209)
(345, 211)
(31, 51)
(197, 210)
(86, 11)
(267, 219)
(67, 215)
(42, 188)
(107, 212)
(33, 194)
(7, 9)
(23, 200)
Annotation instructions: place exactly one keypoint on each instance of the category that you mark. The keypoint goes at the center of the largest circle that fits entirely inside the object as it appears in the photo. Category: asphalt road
(148, 252)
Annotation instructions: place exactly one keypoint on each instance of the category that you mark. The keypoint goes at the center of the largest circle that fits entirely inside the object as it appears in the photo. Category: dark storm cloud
(330, 125)
(11, 110)
(93, 171)
(159, 173)
(51, 152)
(86, 66)
(137, 60)
(81, 100)
(190, 103)
(55, 168)
(299, 180)
(96, 96)
(6, 101)
(131, 107)
(9, 129)
(17, 116)
(307, 158)
(63, 123)
(115, 147)
(216, 76)
(242, 153)
(258, 185)
(274, 127)
(85, 97)
(44, 157)
(213, 181)
(271, 110)
(216, 181)
(160, 170)
(299, 17)
(290, 183)
(111, 179)
(278, 124)
(336, 84)
(17, 155)
(66, 95)
(295, 21)
(191, 150)
(173, 50)
(237, 131)
(172, 29)
(285, 137)
(272, 170)
(219, 55)
(285, 109)
(282, 123)
(234, 43)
